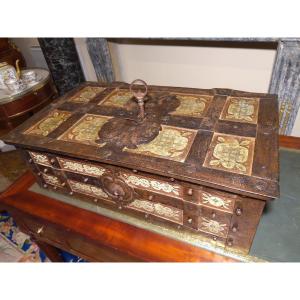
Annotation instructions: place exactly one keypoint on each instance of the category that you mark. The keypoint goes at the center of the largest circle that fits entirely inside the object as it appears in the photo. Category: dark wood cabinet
(17, 108)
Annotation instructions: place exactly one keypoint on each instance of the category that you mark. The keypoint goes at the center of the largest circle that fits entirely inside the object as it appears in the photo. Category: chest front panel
(217, 216)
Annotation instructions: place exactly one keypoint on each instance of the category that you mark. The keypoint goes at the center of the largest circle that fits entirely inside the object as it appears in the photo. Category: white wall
(205, 67)
(296, 128)
(31, 51)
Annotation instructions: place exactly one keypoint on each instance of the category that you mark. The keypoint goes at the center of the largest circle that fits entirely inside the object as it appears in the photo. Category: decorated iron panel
(160, 210)
(118, 98)
(40, 159)
(220, 138)
(230, 153)
(172, 143)
(192, 105)
(153, 185)
(85, 130)
(49, 123)
(241, 109)
(213, 226)
(52, 180)
(80, 167)
(87, 189)
(216, 201)
(86, 94)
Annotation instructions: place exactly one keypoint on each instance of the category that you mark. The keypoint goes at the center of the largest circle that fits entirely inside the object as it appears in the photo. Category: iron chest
(198, 160)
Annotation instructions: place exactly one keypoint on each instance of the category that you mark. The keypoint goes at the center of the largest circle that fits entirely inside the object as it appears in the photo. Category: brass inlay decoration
(216, 201)
(82, 168)
(85, 130)
(49, 123)
(40, 159)
(153, 185)
(213, 226)
(241, 109)
(157, 209)
(83, 188)
(50, 179)
(192, 105)
(86, 94)
(230, 153)
(172, 143)
(118, 98)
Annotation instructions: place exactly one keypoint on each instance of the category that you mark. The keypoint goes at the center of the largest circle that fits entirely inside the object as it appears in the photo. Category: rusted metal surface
(199, 160)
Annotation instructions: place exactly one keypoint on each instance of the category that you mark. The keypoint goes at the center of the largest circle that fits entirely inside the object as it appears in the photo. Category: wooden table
(54, 224)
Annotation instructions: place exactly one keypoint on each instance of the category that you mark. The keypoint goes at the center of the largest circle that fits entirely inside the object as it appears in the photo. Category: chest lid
(221, 138)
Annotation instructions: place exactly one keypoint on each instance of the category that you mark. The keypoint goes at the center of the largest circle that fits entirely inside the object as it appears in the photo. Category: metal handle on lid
(140, 95)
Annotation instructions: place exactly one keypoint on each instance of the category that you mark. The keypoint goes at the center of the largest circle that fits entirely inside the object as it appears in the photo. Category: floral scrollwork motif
(54, 119)
(86, 94)
(241, 109)
(213, 226)
(215, 200)
(40, 159)
(171, 143)
(117, 98)
(86, 169)
(192, 105)
(85, 130)
(87, 189)
(167, 212)
(231, 153)
(153, 184)
(50, 179)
